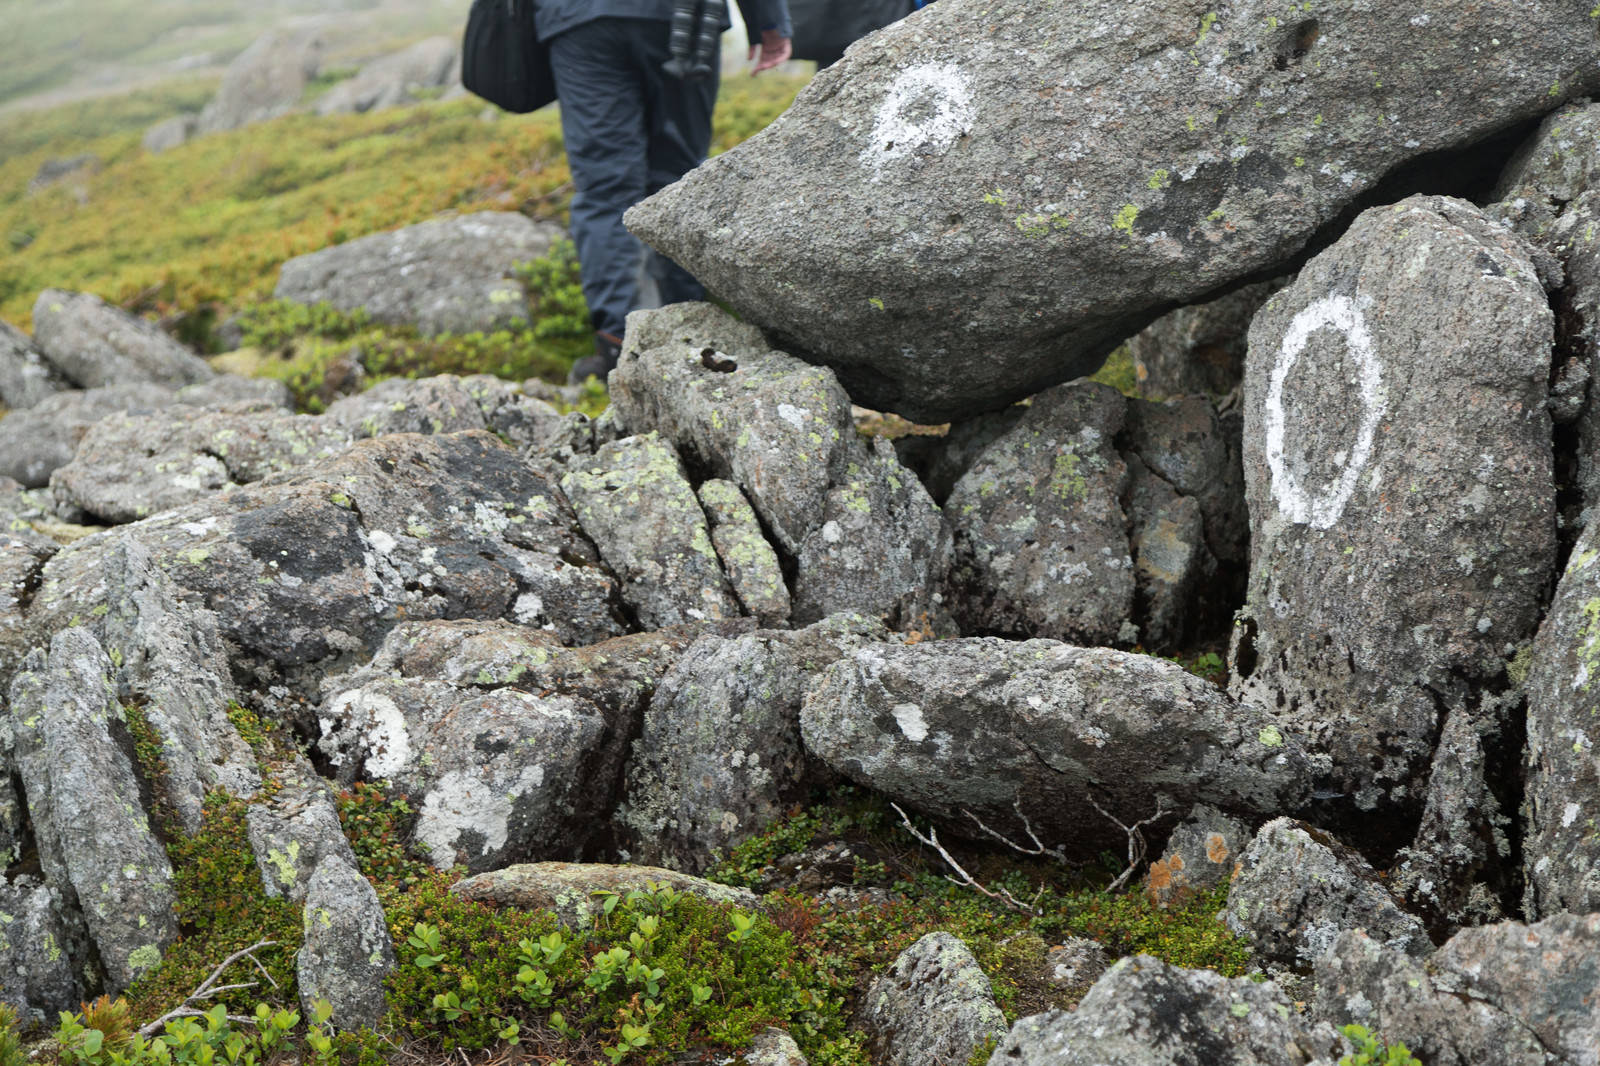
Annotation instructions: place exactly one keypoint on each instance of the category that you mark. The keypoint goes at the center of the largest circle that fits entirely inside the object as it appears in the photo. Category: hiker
(823, 29)
(637, 80)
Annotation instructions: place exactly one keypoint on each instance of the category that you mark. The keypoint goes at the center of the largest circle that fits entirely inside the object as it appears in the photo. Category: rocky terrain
(590, 659)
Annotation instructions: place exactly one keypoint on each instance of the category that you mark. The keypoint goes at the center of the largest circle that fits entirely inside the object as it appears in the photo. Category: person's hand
(774, 49)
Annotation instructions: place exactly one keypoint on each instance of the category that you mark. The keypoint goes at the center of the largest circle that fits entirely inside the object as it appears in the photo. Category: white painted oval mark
(927, 108)
(1298, 502)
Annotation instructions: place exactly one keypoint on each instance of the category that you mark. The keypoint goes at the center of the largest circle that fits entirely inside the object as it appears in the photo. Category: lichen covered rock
(933, 1004)
(94, 344)
(347, 951)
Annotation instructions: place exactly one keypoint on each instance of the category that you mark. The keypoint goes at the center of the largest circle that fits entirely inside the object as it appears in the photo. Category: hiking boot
(599, 365)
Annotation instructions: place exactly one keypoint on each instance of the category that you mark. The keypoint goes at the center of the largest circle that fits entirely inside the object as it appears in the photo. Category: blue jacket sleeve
(766, 15)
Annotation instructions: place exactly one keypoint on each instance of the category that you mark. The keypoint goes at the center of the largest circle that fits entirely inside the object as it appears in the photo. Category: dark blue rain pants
(630, 130)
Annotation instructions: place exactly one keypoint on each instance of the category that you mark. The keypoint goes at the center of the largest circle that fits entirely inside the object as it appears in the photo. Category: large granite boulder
(26, 376)
(446, 275)
(93, 344)
(1040, 729)
(304, 568)
(42, 943)
(266, 79)
(719, 757)
(1550, 192)
(169, 133)
(37, 441)
(933, 1004)
(495, 777)
(1561, 846)
(130, 466)
(1522, 995)
(1144, 1012)
(1399, 470)
(634, 501)
(1297, 889)
(859, 529)
(993, 195)
(392, 80)
(89, 822)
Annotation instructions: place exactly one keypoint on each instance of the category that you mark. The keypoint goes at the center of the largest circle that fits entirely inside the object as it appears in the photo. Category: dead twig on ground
(1038, 846)
(209, 988)
(1137, 848)
(964, 879)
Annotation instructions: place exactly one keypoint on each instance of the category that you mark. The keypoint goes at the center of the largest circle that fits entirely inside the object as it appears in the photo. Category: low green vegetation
(1371, 1052)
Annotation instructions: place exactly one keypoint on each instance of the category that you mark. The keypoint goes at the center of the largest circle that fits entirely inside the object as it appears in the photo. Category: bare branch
(965, 880)
(209, 988)
(1038, 845)
(1137, 848)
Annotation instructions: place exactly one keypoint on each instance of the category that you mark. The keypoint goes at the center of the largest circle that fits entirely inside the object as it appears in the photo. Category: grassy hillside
(209, 223)
(83, 42)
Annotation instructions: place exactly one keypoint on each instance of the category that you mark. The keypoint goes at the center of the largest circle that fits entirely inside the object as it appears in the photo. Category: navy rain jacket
(555, 16)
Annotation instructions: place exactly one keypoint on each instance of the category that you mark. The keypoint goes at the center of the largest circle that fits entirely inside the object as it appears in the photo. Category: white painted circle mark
(1297, 502)
(926, 109)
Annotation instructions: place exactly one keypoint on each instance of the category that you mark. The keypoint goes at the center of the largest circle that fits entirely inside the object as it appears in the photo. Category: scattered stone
(1399, 469)
(1075, 964)
(446, 275)
(26, 377)
(774, 1047)
(1297, 889)
(1459, 866)
(1041, 539)
(749, 562)
(88, 820)
(94, 344)
(571, 891)
(440, 404)
(130, 466)
(169, 658)
(1561, 850)
(1508, 993)
(36, 441)
(392, 80)
(53, 172)
(1039, 729)
(170, 133)
(861, 532)
(934, 1004)
(1144, 1012)
(720, 758)
(347, 951)
(1015, 191)
(293, 830)
(42, 945)
(266, 80)
(635, 502)
(1199, 348)
(496, 777)
(1202, 853)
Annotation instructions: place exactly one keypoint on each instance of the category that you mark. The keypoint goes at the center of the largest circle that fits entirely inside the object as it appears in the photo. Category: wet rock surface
(1398, 464)
(1026, 189)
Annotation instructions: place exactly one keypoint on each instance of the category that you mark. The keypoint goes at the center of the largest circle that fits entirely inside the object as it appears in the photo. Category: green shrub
(11, 1051)
(1369, 1052)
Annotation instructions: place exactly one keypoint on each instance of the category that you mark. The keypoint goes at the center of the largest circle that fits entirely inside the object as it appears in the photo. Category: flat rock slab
(569, 890)
(446, 275)
(92, 344)
(1399, 472)
(1041, 729)
(1018, 189)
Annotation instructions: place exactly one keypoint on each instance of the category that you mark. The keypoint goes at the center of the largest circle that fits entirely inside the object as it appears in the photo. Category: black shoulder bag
(502, 59)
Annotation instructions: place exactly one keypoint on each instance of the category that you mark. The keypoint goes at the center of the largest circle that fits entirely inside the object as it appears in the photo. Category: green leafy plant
(1370, 1052)
(11, 1051)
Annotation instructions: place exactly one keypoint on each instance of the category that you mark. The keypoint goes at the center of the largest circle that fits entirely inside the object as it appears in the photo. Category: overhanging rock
(994, 193)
